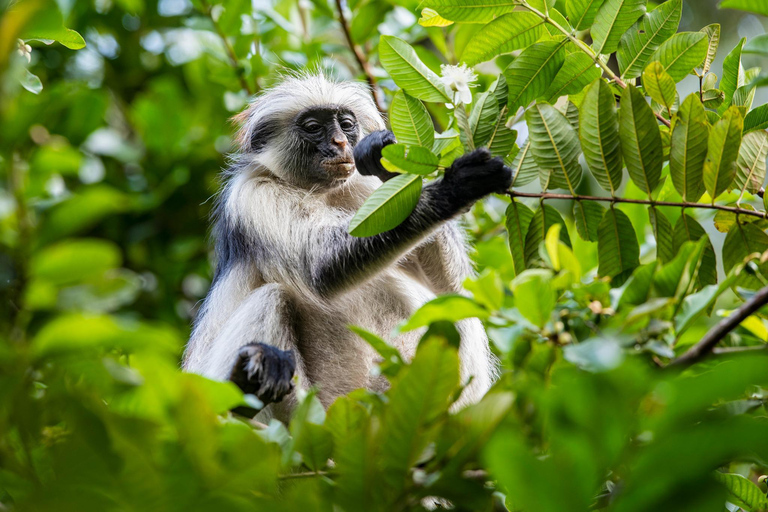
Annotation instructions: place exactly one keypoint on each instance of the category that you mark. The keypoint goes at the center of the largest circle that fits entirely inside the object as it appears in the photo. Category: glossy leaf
(599, 135)
(713, 41)
(723, 150)
(617, 248)
(410, 121)
(531, 73)
(612, 20)
(733, 74)
(755, 6)
(387, 207)
(640, 140)
(641, 41)
(555, 145)
(757, 119)
(518, 220)
(682, 53)
(471, 12)
(410, 159)
(482, 120)
(750, 173)
(408, 72)
(578, 71)
(505, 34)
(689, 149)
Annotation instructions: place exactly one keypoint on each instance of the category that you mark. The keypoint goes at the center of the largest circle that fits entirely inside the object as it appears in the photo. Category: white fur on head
(300, 91)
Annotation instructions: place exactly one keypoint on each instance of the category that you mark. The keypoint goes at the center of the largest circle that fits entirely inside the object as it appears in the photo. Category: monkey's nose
(340, 141)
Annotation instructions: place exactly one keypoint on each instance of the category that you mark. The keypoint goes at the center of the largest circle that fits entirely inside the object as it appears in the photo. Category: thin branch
(307, 474)
(588, 51)
(713, 337)
(548, 195)
(361, 59)
(228, 48)
(740, 350)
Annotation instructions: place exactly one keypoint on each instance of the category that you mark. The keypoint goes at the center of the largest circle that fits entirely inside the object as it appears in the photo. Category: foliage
(109, 146)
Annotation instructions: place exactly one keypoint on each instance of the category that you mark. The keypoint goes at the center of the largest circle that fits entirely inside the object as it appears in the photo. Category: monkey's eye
(347, 124)
(312, 127)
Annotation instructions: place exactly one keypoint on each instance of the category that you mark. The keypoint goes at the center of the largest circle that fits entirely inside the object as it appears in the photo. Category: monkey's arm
(339, 260)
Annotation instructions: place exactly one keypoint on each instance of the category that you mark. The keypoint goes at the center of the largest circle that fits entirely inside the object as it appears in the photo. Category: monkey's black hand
(367, 154)
(264, 371)
(474, 176)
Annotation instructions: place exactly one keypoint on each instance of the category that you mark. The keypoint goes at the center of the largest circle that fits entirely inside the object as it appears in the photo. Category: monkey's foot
(264, 371)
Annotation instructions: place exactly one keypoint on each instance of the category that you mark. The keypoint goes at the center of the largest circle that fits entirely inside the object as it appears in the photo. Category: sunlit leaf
(682, 53)
(713, 38)
(612, 20)
(659, 85)
(430, 18)
(485, 114)
(531, 73)
(599, 135)
(639, 42)
(756, 6)
(505, 34)
(410, 121)
(751, 163)
(387, 207)
(582, 12)
(744, 240)
(689, 149)
(578, 71)
(742, 491)
(408, 72)
(733, 74)
(472, 11)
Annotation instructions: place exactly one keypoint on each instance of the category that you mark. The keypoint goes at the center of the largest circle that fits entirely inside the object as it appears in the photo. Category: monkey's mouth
(340, 167)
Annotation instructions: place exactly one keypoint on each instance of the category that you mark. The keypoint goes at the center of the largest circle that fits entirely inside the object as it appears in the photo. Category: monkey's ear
(241, 123)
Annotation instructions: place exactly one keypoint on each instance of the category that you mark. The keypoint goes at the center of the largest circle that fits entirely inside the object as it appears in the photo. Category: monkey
(289, 279)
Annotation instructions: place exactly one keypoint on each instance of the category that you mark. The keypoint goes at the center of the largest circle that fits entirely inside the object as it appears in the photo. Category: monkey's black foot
(367, 154)
(264, 371)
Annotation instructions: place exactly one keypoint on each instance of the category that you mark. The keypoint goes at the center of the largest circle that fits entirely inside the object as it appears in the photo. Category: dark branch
(228, 48)
(713, 337)
(360, 58)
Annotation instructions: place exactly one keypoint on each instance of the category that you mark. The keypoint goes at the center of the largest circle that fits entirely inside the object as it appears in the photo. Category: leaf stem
(228, 48)
(306, 474)
(716, 334)
(587, 50)
(549, 195)
(360, 58)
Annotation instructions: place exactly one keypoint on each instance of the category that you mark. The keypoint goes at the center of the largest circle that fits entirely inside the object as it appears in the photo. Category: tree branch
(228, 48)
(360, 58)
(612, 199)
(588, 51)
(708, 342)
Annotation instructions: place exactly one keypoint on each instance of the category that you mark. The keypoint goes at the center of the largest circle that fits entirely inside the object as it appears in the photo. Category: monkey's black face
(327, 136)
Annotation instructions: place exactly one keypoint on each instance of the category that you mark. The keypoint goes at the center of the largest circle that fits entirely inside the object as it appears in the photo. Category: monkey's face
(326, 136)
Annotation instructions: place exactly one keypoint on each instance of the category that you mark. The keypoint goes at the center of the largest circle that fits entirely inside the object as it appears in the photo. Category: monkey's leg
(257, 349)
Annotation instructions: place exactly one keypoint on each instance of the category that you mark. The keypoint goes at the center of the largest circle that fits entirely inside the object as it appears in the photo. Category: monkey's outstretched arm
(341, 260)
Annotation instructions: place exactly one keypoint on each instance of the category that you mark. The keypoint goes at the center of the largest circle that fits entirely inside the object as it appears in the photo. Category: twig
(307, 474)
(708, 342)
(588, 51)
(740, 350)
(548, 195)
(360, 58)
(228, 48)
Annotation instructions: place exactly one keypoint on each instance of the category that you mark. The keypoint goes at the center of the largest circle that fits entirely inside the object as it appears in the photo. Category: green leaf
(408, 72)
(662, 231)
(543, 219)
(750, 165)
(483, 118)
(698, 303)
(582, 12)
(315, 444)
(410, 121)
(599, 135)
(64, 36)
(587, 216)
(613, 19)
(420, 394)
(430, 18)
(733, 74)
(75, 260)
(450, 308)
(742, 241)
(505, 34)
(659, 85)
(472, 11)
(756, 119)
(501, 139)
(640, 140)
(688, 229)
(535, 297)
(639, 42)
(531, 73)
(689, 149)
(742, 492)
(555, 145)
(725, 220)
(578, 71)
(682, 53)
(755, 6)
(410, 159)
(465, 132)
(387, 207)
(31, 82)
(518, 219)
(617, 249)
(723, 150)
(524, 167)
(713, 41)
(391, 361)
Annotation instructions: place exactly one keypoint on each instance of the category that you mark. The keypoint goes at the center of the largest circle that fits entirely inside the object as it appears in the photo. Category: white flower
(458, 80)
(25, 50)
